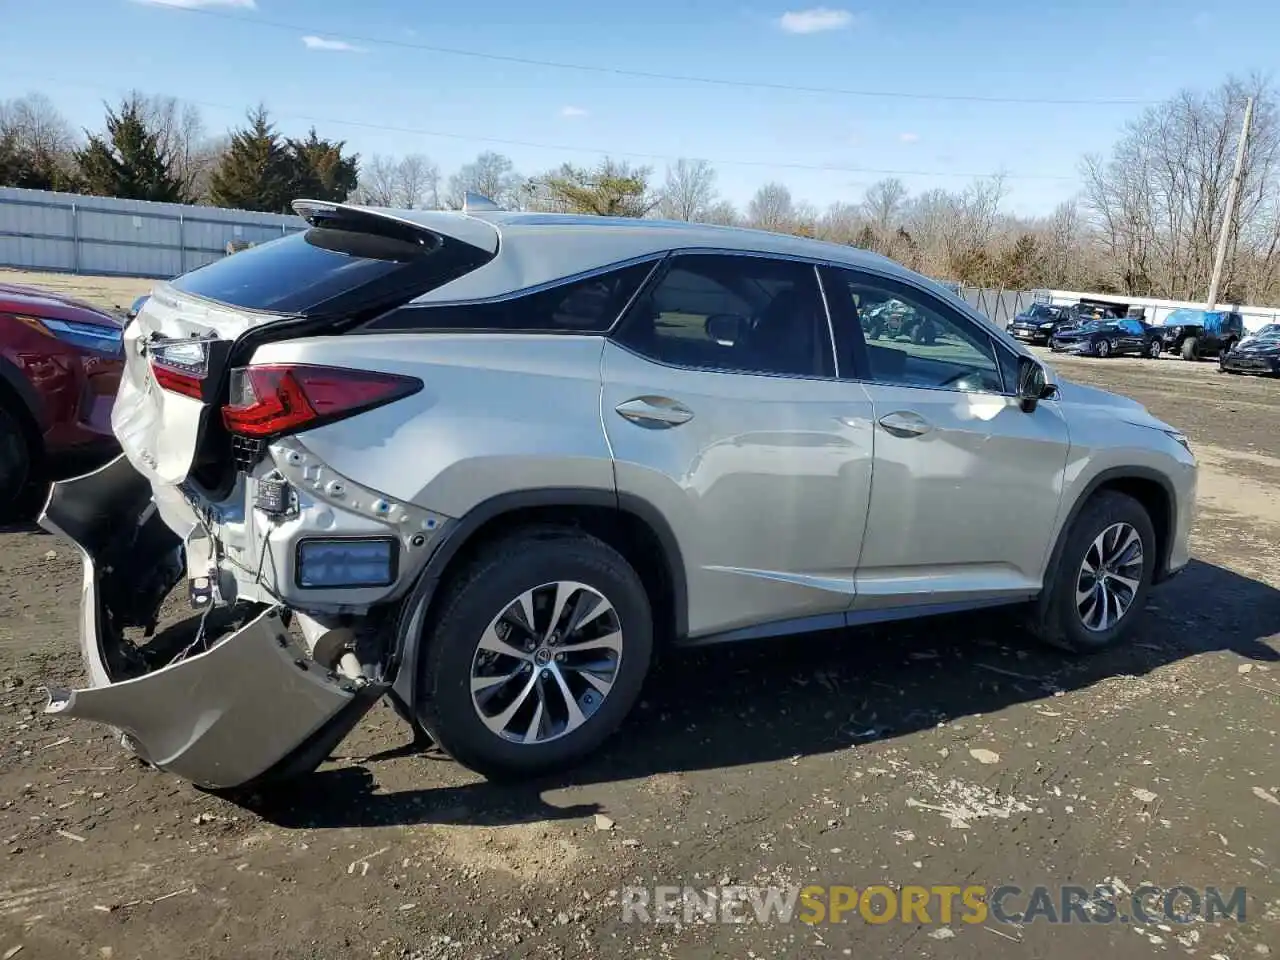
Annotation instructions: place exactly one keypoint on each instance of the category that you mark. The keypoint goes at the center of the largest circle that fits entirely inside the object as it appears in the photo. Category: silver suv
(488, 464)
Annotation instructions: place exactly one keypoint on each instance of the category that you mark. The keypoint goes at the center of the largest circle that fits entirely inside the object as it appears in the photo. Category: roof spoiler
(476, 233)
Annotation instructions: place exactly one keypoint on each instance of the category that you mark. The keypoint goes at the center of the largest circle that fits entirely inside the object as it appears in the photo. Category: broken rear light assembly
(275, 399)
(180, 366)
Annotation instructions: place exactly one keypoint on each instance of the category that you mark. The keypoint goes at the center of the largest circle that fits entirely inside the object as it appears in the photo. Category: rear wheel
(1098, 588)
(1191, 348)
(15, 463)
(1153, 350)
(539, 652)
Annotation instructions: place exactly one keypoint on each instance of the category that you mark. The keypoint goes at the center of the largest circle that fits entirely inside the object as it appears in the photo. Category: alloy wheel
(1104, 348)
(1109, 577)
(546, 662)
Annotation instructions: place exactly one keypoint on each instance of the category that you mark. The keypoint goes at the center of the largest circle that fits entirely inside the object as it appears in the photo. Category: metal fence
(999, 305)
(70, 233)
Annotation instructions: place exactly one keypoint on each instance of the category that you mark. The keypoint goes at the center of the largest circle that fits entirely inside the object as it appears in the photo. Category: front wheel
(538, 653)
(1191, 349)
(1102, 348)
(15, 463)
(1098, 587)
(1153, 350)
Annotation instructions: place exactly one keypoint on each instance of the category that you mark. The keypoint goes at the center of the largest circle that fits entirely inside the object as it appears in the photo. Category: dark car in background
(1258, 353)
(1038, 322)
(1108, 338)
(1192, 333)
(60, 363)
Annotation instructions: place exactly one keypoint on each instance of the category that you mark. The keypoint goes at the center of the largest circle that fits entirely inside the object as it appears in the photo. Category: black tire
(1103, 348)
(474, 596)
(1153, 349)
(874, 332)
(1191, 348)
(16, 464)
(1055, 619)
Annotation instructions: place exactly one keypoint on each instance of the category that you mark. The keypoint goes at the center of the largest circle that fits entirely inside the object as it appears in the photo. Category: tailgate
(350, 264)
(172, 351)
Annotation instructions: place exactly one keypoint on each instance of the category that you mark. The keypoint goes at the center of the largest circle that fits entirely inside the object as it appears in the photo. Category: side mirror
(1032, 385)
(725, 328)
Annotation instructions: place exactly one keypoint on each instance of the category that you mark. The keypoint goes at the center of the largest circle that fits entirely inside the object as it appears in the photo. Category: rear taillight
(180, 366)
(273, 399)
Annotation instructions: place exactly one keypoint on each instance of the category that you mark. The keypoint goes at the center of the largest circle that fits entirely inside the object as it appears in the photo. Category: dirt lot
(952, 752)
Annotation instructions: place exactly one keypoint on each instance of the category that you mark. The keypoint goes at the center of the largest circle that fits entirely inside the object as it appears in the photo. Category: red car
(60, 363)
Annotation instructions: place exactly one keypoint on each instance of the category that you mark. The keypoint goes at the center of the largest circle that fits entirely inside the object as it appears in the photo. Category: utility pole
(1233, 195)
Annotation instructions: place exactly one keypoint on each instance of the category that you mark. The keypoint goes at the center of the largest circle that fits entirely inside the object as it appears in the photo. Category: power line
(566, 148)
(654, 75)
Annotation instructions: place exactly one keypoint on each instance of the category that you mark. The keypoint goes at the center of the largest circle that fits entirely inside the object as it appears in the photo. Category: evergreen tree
(255, 173)
(319, 171)
(613, 189)
(127, 160)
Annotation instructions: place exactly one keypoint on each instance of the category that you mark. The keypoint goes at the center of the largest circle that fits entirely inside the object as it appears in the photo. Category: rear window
(331, 269)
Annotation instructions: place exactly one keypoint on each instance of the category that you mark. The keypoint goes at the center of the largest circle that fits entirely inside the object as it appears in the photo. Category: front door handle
(904, 423)
(655, 411)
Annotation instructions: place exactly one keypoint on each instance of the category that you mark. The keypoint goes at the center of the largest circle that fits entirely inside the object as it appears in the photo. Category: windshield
(1270, 332)
(1040, 311)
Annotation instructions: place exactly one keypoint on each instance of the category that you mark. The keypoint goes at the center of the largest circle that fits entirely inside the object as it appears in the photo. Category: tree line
(1144, 223)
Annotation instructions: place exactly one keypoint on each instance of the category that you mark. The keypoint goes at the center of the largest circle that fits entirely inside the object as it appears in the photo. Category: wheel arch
(19, 398)
(1152, 489)
(629, 524)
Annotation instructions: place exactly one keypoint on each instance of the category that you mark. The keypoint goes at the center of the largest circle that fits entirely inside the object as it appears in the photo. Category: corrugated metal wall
(69, 233)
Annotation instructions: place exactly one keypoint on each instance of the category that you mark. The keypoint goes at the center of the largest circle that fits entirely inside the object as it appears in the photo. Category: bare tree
(180, 135)
(491, 175)
(1159, 199)
(379, 182)
(40, 141)
(722, 212)
(841, 223)
(37, 125)
(771, 208)
(883, 203)
(418, 182)
(689, 190)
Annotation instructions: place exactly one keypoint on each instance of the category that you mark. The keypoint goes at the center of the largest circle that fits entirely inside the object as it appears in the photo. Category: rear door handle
(904, 423)
(655, 411)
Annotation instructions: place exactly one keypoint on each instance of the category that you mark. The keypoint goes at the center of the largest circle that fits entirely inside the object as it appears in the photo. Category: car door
(1130, 336)
(722, 406)
(966, 484)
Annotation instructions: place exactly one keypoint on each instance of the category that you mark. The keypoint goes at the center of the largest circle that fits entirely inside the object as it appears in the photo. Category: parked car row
(1091, 328)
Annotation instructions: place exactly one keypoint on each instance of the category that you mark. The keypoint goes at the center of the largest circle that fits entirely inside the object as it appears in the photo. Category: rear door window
(588, 305)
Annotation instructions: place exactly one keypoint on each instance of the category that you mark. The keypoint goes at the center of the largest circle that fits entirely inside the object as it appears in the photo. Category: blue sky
(81, 52)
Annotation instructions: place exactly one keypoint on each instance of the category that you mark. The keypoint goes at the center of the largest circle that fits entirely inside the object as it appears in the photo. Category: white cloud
(193, 4)
(572, 112)
(815, 20)
(320, 43)
(908, 137)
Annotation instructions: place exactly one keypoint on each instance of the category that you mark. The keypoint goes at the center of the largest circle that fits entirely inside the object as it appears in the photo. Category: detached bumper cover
(251, 707)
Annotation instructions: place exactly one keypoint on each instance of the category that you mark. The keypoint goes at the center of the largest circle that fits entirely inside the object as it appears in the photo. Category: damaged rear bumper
(252, 707)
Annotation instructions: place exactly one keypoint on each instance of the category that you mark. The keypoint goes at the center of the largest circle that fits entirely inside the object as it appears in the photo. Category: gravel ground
(952, 752)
